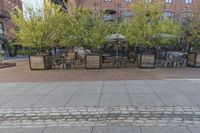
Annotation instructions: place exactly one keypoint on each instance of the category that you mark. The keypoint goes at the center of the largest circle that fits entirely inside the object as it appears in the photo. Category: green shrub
(26, 52)
(1, 56)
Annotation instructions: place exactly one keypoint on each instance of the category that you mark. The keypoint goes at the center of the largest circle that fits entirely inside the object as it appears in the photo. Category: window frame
(128, 1)
(148, 1)
(168, 1)
(107, 0)
(2, 28)
(188, 1)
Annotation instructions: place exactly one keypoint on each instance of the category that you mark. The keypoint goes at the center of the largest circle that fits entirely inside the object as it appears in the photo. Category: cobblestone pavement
(100, 116)
(22, 73)
(142, 106)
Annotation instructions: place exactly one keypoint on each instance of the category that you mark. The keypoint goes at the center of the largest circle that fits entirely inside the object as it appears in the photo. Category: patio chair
(179, 61)
(69, 60)
(57, 63)
(168, 61)
(123, 61)
(113, 61)
(71, 57)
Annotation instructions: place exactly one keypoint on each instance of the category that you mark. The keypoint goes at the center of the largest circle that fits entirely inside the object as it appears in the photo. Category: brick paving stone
(129, 115)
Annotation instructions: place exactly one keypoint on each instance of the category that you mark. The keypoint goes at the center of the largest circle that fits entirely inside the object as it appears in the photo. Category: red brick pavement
(22, 73)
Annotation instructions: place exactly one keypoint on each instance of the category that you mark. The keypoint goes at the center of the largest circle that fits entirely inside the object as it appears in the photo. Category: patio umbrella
(166, 36)
(117, 38)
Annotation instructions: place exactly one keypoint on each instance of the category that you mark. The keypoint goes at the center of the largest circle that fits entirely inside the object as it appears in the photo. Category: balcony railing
(109, 18)
(3, 14)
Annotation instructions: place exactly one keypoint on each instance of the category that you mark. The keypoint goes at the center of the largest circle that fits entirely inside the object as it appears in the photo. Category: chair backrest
(71, 56)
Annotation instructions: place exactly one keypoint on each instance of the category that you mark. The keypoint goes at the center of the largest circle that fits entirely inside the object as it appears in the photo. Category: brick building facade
(6, 25)
(175, 8)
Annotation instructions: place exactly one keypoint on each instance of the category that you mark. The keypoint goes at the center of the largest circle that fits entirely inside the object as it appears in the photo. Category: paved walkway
(139, 106)
(112, 129)
(22, 73)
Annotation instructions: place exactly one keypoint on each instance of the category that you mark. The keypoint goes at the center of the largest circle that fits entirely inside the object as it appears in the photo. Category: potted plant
(192, 35)
(193, 57)
(38, 29)
(144, 26)
(141, 29)
(90, 33)
(5, 64)
(1, 56)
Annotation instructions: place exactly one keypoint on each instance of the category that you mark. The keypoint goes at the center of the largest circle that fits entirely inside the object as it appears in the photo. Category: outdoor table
(58, 61)
(116, 61)
(104, 57)
(175, 56)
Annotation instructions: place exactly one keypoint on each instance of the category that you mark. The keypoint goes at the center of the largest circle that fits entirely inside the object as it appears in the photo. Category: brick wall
(9, 6)
(177, 6)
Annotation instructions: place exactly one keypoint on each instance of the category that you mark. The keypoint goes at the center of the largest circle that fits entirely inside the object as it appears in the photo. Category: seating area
(130, 59)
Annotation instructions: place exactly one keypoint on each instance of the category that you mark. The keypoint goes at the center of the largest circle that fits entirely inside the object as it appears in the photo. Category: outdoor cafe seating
(67, 60)
(175, 59)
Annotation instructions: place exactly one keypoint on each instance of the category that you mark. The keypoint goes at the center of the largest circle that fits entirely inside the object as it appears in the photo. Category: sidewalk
(143, 106)
(22, 73)
(104, 130)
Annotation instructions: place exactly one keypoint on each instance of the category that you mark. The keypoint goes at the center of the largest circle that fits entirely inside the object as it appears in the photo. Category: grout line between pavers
(155, 93)
(92, 130)
(185, 95)
(65, 105)
(44, 130)
(100, 96)
(188, 129)
(128, 93)
(141, 129)
(43, 97)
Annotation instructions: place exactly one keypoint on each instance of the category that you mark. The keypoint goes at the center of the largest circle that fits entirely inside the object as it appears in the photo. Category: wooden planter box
(193, 59)
(146, 61)
(40, 62)
(5, 65)
(93, 61)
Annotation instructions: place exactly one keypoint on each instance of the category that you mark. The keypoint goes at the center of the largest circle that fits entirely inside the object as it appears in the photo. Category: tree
(79, 3)
(39, 28)
(191, 29)
(147, 22)
(88, 31)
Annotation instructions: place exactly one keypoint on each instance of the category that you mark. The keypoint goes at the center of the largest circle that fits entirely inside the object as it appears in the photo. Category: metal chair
(168, 61)
(179, 61)
(57, 62)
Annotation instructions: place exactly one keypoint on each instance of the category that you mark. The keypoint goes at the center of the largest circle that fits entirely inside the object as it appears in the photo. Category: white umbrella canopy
(167, 36)
(117, 37)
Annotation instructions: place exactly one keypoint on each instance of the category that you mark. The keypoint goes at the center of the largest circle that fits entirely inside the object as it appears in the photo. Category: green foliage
(88, 30)
(191, 30)
(39, 28)
(1, 56)
(147, 23)
(26, 52)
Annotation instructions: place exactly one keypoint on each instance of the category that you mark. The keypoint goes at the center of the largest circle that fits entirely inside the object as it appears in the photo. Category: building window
(1, 29)
(128, 1)
(168, 1)
(108, 0)
(169, 15)
(127, 14)
(188, 1)
(148, 1)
